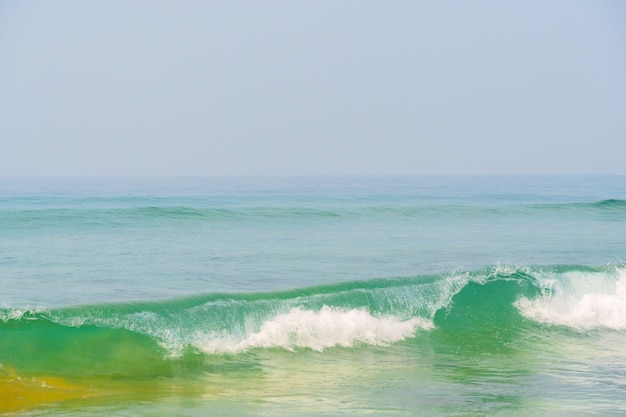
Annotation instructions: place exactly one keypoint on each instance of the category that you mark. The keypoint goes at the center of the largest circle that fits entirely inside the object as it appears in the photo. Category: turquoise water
(434, 296)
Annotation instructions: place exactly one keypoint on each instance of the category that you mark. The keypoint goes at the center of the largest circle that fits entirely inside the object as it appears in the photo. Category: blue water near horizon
(442, 295)
(247, 233)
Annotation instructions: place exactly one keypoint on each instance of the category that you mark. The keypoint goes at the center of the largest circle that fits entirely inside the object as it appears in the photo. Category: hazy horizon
(277, 88)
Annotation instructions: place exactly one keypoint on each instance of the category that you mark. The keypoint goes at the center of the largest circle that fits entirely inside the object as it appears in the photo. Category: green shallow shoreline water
(542, 377)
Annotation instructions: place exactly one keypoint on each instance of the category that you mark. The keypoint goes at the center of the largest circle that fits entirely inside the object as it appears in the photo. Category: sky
(312, 87)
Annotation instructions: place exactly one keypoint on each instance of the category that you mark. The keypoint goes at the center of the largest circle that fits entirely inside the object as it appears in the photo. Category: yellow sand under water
(21, 392)
(27, 392)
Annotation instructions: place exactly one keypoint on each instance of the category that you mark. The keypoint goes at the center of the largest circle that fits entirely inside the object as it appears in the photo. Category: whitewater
(434, 296)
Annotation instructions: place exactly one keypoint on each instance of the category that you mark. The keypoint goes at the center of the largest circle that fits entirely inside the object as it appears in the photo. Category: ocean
(313, 296)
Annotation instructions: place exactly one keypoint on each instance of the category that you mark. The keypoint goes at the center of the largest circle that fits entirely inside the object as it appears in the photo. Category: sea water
(313, 296)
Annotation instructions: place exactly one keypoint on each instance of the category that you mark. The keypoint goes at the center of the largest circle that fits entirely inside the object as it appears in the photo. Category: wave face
(492, 306)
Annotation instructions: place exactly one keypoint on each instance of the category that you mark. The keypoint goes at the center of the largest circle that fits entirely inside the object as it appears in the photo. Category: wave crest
(580, 301)
(317, 330)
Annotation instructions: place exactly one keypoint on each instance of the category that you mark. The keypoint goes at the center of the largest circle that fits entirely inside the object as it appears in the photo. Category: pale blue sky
(150, 87)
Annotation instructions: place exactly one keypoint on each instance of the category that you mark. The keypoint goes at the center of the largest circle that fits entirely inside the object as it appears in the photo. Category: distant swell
(121, 212)
(612, 203)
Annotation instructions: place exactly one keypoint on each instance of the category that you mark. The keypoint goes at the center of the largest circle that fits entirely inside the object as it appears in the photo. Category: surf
(375, 312)
(90, 351)
(581, 300)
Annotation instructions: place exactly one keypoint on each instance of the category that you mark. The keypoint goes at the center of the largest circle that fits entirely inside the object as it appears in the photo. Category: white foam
(17, 314)
(317, 330)
(12, 314)
(581, 301)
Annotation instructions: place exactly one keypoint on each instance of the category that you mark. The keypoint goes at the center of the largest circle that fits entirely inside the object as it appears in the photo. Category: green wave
(36, 345)
(483, 316)
(477, 310)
